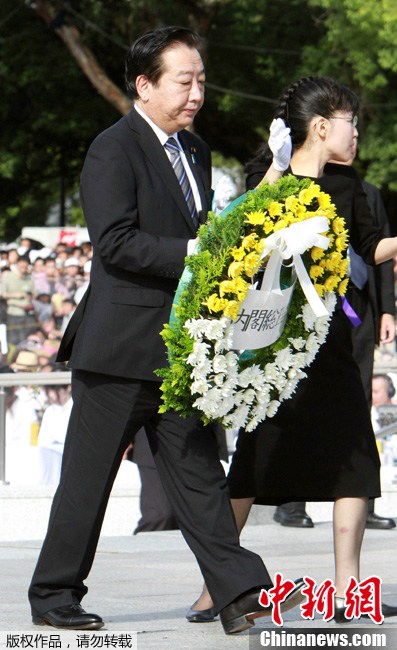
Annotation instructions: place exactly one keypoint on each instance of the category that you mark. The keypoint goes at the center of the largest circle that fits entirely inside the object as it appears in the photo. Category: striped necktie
(172, 147)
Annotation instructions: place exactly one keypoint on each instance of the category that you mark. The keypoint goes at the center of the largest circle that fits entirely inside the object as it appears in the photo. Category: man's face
(175, 100)
(23, 267)
(379, 392)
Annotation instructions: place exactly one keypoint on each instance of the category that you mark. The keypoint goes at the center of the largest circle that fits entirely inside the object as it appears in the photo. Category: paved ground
(145, 584)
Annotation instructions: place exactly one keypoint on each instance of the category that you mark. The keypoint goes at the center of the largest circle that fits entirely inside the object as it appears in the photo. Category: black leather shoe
(239, 615)
(382, 523)
(69, 617)
(294, 519)
(201, 615)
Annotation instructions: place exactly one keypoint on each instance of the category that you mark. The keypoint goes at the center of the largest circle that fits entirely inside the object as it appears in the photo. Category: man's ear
(142, 85)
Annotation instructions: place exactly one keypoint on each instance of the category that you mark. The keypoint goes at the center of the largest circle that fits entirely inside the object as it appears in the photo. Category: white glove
(280, 144)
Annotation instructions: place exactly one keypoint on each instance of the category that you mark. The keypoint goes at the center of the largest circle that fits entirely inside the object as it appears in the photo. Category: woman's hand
(280, 144)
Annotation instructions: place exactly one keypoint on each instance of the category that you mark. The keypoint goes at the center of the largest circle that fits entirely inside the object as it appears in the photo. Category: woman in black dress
(320, 445)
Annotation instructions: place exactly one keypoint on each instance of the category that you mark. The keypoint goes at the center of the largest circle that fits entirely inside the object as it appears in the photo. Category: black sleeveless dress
(320, 445)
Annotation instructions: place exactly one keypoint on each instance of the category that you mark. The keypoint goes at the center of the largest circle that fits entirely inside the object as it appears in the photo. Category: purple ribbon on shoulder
(353, 317)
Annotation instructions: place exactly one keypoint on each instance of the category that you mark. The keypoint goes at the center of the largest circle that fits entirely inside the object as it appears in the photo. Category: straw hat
(26, 361)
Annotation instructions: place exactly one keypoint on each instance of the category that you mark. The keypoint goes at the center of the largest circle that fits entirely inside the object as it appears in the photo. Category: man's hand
(280, 144)
(387, 332)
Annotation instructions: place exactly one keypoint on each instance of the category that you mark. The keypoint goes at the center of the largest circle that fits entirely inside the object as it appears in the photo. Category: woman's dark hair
(145, 55)
(303, 100)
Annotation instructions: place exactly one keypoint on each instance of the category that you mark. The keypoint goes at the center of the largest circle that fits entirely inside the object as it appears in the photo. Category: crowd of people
(40, 288)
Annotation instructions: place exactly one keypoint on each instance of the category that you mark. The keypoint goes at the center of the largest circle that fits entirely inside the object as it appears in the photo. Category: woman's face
(342, 136)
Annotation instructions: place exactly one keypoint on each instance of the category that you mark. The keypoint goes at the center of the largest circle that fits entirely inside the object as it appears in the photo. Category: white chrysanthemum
(299, 360)
(281, 382)
(228, 388)
(231, 359)
(321, 326)
(271, 373)
(199, 354)
(219, 363)
(252, 375)
(225, 407)
(219, 379)
(290, 388)
(240, 416)
(330, 302)
(228, 334)
(201, 369)
(200, 386)
(249, 395)
(257, 415)
(309, 317)
(215, 329)
(196, 327)
(312, 343)
(210, 403)
(284, 358)
(298, 343)
(263, 396)
(272, 408)
(220, 346)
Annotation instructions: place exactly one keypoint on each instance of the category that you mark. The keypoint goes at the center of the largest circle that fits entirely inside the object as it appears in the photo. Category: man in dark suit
(142, 222)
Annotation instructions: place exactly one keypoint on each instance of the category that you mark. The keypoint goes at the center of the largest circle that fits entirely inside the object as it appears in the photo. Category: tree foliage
(51, 109)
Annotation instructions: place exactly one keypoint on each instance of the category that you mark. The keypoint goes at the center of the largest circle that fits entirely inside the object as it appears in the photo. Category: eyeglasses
(353, 120)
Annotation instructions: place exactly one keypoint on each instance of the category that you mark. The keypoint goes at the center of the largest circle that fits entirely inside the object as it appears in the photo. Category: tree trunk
(84, 57)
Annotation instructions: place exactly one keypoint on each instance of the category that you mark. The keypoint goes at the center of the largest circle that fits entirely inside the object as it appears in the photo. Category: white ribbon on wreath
(291, 242)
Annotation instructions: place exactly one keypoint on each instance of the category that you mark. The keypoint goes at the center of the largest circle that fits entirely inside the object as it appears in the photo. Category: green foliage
(50, 112)
(360, 37)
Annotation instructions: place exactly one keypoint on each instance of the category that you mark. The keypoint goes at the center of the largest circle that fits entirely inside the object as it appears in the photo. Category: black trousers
(107, 412)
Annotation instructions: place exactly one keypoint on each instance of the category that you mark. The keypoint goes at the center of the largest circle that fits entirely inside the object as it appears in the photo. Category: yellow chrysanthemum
(260, 246)
(237, 286)
(341, 242)
(268, 226)
(275, 209)
(330, 211)
(343, 267)
(307, 195)
(238, 254)
(317, 253)
(333, 262)
(250, 241)
(231, 309)
(316, 271)
(279, 225)
(215, 304)
(342, 286)
(338, 225)
(324, 201)
(291, 203)
(331, 283)
(319, 288)
(251, 263)
(235, 269)
(256, 218)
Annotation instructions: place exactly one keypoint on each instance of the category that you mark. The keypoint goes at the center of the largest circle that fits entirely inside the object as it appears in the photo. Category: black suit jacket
(139, 224)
